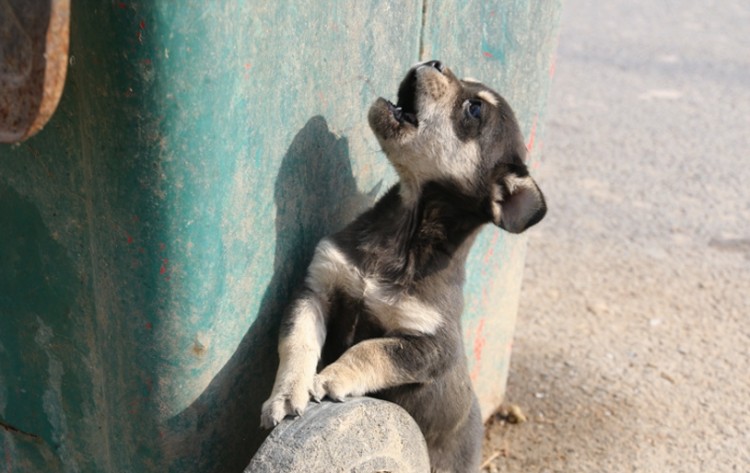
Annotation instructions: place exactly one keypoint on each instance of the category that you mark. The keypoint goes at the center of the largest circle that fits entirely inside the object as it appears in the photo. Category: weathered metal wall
(151, 234)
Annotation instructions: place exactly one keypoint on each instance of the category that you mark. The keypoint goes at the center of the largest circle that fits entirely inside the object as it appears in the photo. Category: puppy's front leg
(376, 364)
(300, 342)
(303, 332)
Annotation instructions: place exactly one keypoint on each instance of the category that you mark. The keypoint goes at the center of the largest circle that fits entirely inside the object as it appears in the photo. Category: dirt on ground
(632, 349)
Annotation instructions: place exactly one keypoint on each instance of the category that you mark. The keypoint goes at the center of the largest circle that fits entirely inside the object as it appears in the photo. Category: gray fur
(391, 281)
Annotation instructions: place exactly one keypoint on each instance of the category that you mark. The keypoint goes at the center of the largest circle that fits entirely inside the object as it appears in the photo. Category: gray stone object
(360, 435)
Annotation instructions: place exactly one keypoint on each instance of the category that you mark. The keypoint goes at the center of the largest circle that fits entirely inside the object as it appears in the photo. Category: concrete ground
(632, 350)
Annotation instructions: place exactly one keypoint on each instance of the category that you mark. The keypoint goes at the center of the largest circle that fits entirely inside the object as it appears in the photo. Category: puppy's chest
(395, 308)
(354, 319)
(349, 323)
(388, 306)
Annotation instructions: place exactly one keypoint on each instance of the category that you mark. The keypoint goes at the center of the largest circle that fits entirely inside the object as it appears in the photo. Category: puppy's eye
(474, 109)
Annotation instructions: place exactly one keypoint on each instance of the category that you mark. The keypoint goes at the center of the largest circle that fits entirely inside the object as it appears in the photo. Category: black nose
(436, 64)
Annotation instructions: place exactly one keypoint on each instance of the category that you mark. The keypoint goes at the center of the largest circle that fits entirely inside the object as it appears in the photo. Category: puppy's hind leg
(301, 339)
(460, 451)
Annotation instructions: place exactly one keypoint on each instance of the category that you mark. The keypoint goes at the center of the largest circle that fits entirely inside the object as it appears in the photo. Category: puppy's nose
(436, 64)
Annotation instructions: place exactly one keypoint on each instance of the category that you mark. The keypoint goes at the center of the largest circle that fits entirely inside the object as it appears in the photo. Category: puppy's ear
(516, 203)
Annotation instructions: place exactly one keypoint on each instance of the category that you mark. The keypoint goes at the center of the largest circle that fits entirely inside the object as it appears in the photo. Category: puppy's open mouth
(405, 110)
(403, 115)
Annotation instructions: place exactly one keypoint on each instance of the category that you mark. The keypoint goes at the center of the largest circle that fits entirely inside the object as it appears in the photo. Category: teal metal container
(152, 233)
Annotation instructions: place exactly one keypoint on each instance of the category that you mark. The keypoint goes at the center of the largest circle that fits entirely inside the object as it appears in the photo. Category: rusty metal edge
(56, 64)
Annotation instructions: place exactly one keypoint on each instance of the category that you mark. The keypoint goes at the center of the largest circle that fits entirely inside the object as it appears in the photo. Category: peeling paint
(7, 457)
(199, 348)
(52, 400)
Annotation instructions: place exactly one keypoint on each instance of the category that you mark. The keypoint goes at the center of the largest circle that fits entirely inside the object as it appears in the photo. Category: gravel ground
(632, 350)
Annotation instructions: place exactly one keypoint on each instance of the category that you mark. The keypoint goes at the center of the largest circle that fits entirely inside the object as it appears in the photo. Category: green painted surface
(151, 234)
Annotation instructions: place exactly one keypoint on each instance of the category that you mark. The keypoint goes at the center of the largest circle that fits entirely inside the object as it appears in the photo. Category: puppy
(381, 304)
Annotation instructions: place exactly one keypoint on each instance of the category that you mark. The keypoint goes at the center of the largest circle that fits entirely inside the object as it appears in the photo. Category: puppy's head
(462, 134)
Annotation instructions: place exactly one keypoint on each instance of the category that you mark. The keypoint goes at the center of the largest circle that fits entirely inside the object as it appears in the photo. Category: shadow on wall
(315, 194)
(38, 290)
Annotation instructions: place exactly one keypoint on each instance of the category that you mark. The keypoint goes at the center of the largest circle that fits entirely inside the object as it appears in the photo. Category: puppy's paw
(334, 384)
(289, 399)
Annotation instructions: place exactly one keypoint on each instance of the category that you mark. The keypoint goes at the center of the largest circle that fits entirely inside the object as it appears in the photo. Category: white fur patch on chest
(395, 310)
